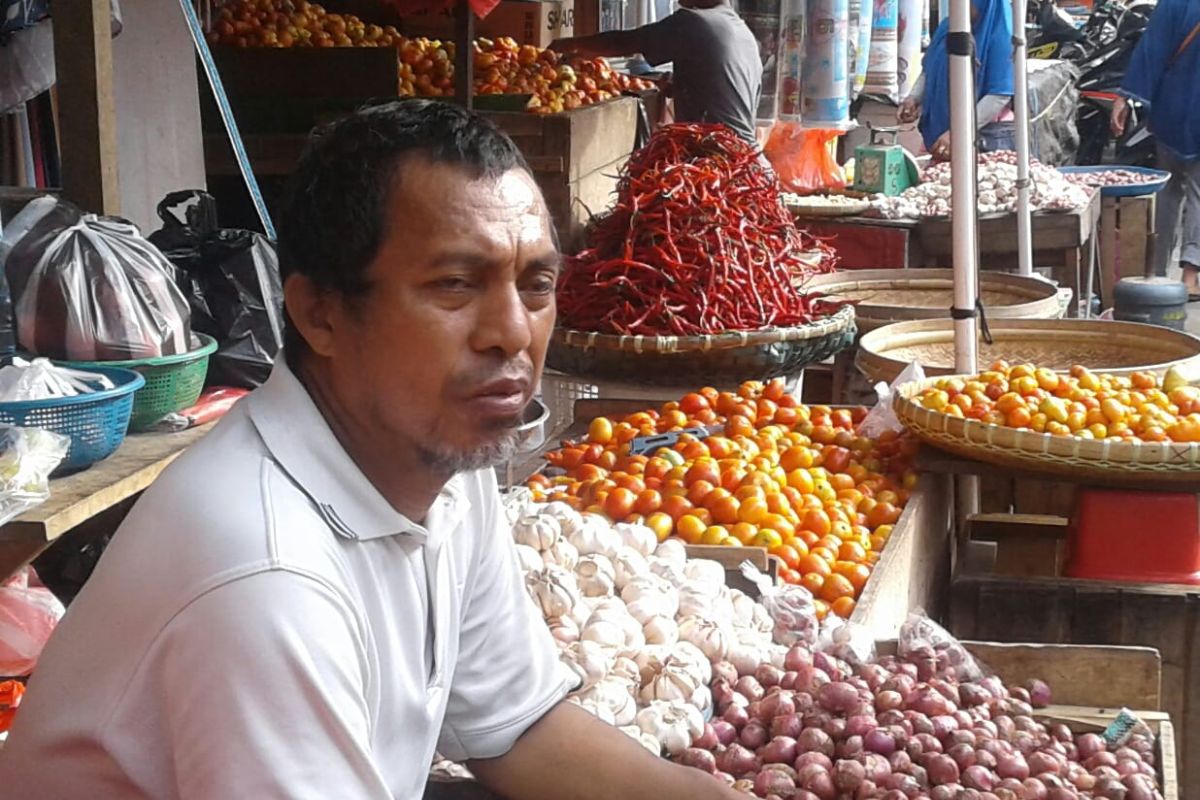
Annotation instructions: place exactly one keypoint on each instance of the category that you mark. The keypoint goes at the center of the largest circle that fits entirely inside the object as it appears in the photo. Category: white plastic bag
(28, 614)
(882, 417)
(89, 288)
(41, 379)
(27, 457)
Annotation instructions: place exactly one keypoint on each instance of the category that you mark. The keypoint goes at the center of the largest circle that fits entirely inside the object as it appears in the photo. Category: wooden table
(1064, 241)
(77, 498)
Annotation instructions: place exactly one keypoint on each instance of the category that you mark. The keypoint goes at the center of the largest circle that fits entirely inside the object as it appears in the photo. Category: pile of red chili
(699, 242)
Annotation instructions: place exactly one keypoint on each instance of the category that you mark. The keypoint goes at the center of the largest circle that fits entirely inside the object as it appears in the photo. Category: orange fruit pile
(794, 479)
(1138, 408)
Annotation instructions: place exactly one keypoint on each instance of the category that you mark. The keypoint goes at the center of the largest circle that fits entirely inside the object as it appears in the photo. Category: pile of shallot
(638, 624)
(1112, 177)
(996, 186)
(904, 728)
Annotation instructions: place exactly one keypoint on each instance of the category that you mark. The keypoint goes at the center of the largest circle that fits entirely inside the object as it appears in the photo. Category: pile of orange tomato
(501, 66)
(794, 479)
(1138, 407)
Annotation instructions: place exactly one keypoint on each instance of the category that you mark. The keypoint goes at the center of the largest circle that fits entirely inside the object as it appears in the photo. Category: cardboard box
(535, 23)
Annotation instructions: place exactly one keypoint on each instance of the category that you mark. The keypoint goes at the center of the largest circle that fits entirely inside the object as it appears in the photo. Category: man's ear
(314, 311)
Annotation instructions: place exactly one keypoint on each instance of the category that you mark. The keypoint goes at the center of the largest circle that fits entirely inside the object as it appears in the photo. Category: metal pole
(963, 185)
(1021, 113)
(963, 204)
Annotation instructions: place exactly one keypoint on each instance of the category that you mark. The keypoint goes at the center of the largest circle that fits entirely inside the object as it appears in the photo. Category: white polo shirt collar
(302, 443)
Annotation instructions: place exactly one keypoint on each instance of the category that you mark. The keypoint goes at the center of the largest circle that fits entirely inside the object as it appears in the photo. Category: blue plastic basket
(95, 422)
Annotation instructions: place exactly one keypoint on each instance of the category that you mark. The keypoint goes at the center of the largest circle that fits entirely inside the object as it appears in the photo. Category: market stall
(575, 121)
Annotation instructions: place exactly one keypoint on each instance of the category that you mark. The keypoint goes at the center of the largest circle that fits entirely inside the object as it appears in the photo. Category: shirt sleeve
(508, 674)
(659, 42)
(1153, 53)
(989, 108)
(918, 89)
(267, 700)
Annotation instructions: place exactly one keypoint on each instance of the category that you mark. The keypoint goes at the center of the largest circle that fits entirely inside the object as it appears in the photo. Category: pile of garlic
(637, 623)
(996, 176)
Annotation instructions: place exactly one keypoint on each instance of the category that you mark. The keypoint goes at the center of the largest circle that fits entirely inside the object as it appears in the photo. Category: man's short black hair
(332, 221)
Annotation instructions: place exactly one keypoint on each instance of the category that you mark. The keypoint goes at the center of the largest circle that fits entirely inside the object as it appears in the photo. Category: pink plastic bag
(28, 614)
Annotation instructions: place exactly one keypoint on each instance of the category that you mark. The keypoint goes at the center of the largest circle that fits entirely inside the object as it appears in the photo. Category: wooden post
(464, 56)
(88, 120)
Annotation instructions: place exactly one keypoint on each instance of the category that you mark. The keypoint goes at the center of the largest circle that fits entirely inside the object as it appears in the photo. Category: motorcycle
(1116, 29)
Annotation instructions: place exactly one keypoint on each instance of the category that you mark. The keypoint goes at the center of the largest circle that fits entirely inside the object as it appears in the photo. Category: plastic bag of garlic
(997, 187)
(638, 624)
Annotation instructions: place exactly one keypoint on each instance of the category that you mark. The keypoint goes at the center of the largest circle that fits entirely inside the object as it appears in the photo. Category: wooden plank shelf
(74, 499)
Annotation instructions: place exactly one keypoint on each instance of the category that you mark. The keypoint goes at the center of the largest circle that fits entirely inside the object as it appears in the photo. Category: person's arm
(657, 42)
(267, 699)
(570, 755)
(605, 45)
(989, 108)
(910, 108)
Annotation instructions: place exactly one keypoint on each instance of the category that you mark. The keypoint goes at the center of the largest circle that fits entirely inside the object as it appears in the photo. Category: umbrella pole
(963, 205)
(963, 185)
(1021, 113)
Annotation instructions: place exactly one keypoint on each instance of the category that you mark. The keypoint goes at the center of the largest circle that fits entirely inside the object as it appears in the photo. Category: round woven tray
(1110, 462)
(684, 360)
(807, 208)
(884, 296)
(1058, 344)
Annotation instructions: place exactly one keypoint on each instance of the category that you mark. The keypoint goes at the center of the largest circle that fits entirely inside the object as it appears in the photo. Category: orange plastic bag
(803, 159)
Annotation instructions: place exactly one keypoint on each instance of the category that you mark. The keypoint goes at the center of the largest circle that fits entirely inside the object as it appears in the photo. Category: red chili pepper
(699, 241)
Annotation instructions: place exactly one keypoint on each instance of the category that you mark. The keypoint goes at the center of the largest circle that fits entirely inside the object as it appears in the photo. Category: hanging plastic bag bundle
(90, 288)
(231, 279)
(803, 159)
(791, 59)
(860, 46)
(826, 88)
(883, 63)
(762, 17)
(908, 57)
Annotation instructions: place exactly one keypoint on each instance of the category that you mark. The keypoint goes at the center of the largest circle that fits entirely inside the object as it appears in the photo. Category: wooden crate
(575, 157)
(290, 90)
(1126, 236)
(1015, 592)
(278, 95)
(1091, 684)
(913, 569)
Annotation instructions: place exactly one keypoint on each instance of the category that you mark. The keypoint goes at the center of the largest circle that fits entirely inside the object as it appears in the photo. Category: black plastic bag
(231, 280)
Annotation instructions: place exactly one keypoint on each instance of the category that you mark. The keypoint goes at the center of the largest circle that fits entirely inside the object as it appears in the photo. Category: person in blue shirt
(929, 100)
(1164, 75)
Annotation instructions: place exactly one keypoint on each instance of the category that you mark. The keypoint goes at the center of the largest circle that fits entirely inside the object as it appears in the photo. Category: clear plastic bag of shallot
(791, 608)
(935, 652)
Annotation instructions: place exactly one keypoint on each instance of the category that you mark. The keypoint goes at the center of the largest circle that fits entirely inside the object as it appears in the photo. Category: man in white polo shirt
(322, 592)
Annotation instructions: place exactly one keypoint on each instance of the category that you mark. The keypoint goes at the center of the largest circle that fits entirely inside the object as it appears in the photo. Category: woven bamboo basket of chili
(1119, 348)
(716, 359)
(1101, 461)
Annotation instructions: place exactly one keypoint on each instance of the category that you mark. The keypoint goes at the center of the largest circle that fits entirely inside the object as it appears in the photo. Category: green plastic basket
(173, 383)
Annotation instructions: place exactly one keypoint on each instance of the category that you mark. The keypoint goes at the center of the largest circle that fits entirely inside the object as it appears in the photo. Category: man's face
(445, 349)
